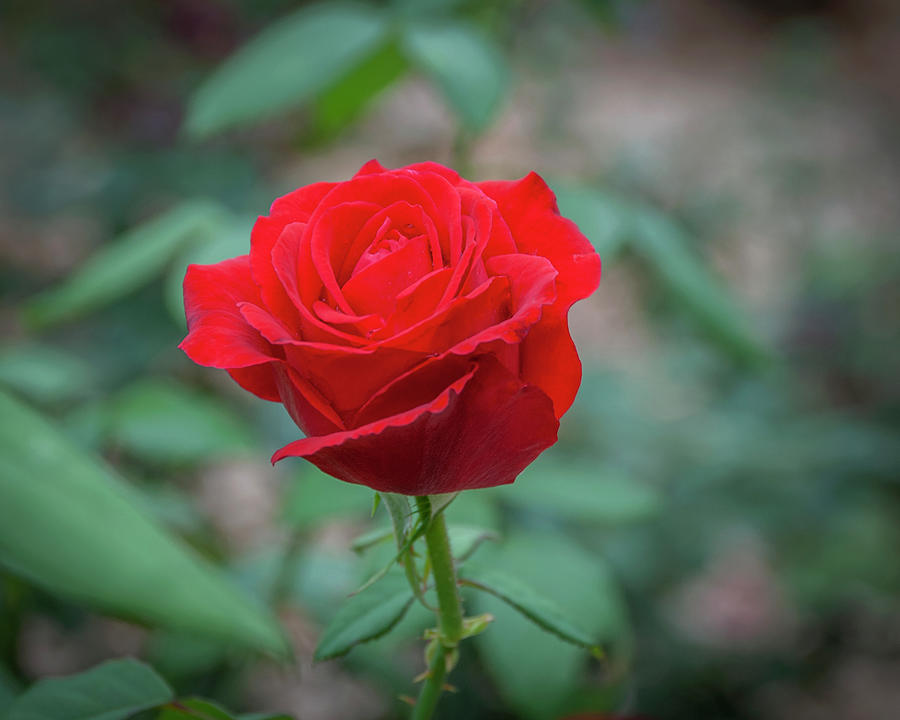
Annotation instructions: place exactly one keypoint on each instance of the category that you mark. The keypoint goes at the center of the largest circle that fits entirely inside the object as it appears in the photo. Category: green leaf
(9, 689)
(344, 102)
(439, 503)
(314, 497)
(414, 8)
(116, 689)
(542, 611)
(467, 67)
(44, 374)
(286, 65)
(371, 538)
(399, 510)
(465, 540)
(366, 616)
(70, 525)
(164, 422)
(178, 655)
(582, 495)
(602, 218)
(533, 670)
(193, 709)
(475, 507)
(663, 245)
(124, 265)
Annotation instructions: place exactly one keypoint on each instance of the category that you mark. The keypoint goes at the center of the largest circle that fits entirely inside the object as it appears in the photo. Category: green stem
(432, 687)
(450, 617)
(449, 612)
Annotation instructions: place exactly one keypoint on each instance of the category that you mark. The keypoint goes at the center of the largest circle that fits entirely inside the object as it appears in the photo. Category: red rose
(412, 323)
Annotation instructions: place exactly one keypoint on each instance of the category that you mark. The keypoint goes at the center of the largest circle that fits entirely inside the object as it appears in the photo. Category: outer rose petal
(296, 206)
(372, 167)
(529, 208)
(548, 355)
(218, 335)
(482, 431)
(549, 360)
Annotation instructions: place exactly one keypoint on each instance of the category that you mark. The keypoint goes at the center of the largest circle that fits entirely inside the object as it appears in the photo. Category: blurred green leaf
(465, 540)
(366, 616)
(427, 8)
(163, 422)
(44, 374)
(467, 67)
(116, 689)
(663, 245)
(477, 508)
(343, 102)
(178, 655)
(286, 65)
(314, 497)
(124, 265)
(193, 709)
(371, 538)
(233, 240)
(602, 218)
(581, 495)
(9, 689)
(534, 671)
(542, 611)
(68, 524)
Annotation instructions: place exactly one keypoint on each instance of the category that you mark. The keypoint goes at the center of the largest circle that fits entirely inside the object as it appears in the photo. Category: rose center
(388, 239)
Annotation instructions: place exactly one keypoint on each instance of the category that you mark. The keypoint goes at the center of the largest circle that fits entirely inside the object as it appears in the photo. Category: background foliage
(722, 508)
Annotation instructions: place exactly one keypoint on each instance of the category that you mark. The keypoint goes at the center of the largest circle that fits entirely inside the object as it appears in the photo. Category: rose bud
(412, 323)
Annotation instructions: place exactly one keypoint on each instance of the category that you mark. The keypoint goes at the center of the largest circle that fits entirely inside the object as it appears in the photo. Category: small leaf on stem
(366, 616)
(542, 611)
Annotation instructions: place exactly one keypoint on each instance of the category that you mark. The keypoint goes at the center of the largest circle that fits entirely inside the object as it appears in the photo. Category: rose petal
(270, 327)
(218, 335)
(259, 379)
(481, 431)
(361, 324)
(330, 239)
(446, 212)
(349, 376)
(550, 361)
(412, 389)
(449, 175)
(372, 167)
(305, 404)
(418, 302)
(296, 206)
(464, 317)
(374, 289)
(531, 288)
(396, 215)
(287, 255)
(530, 210)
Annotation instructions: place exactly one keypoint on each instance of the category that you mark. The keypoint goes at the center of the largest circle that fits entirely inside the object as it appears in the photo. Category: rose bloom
(412, 323)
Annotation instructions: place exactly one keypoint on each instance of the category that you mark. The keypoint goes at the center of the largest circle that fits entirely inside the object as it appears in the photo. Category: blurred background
(723, 506)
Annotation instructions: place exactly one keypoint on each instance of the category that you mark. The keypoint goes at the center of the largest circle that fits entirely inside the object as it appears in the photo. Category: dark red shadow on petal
(259, 380)
(481, 431)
